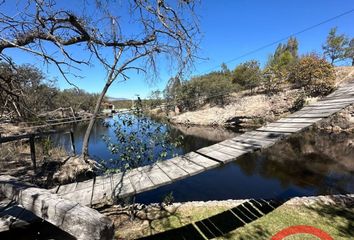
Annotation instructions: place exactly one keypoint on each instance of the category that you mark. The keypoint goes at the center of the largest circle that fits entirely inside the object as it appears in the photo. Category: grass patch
(336, 221)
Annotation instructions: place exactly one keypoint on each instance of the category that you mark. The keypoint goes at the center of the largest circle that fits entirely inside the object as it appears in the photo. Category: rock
(336, 129)
(75, 168)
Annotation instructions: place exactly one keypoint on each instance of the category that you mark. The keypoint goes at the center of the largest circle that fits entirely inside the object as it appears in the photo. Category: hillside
(251, 110)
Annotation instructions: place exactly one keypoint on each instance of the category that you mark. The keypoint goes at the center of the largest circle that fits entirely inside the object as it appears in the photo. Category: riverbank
(245, 109)
(53, 165)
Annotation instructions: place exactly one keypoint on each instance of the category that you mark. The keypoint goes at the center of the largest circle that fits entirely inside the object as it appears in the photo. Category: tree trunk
(86, 139)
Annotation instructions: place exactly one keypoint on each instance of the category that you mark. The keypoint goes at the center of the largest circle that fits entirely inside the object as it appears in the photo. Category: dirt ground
(15, 160)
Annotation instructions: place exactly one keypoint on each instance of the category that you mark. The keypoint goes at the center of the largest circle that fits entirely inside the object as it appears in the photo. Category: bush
(248, 75)
(314, 74)
(273, 78)
(211, 88)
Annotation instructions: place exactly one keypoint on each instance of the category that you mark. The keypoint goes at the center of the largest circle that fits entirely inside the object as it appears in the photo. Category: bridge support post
(72, 140)
(33, 152)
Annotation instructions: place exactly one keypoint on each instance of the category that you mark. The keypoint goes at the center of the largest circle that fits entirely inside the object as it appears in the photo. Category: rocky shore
(243, 110)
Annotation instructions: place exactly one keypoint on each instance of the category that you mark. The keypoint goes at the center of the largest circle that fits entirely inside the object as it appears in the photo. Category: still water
(311, 163)
(193, 137)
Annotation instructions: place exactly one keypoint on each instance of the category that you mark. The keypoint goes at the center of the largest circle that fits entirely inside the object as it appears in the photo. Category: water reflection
(310, 163)
(194, 137)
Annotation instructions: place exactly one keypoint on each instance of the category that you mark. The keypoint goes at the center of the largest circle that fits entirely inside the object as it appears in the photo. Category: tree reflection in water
(309, 163)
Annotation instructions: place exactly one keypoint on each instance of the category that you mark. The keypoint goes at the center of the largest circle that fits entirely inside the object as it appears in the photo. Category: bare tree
(146, 30)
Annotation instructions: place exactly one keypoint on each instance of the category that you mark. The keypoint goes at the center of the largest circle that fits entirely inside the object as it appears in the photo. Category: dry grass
(15, 160)
(344, 74)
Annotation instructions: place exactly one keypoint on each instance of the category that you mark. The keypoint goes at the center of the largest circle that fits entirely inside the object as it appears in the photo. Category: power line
(244, 55)
(282, 39)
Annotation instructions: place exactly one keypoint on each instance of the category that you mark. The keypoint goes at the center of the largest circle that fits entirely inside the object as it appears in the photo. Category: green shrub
(248, 75)
(211, 88)
(314, 74)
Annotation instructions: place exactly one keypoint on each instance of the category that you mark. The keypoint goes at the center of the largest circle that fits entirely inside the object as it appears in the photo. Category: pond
(193, 137)
(314, 162)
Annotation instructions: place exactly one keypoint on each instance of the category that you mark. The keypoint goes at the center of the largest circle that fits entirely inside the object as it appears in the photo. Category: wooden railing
(32, 136)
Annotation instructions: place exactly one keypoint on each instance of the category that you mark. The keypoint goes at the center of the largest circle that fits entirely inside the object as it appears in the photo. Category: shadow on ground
(223, 223)
(22, 224)
(343, 208)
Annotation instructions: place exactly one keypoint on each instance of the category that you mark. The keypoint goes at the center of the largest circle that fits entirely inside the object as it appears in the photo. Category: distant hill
(112, 99)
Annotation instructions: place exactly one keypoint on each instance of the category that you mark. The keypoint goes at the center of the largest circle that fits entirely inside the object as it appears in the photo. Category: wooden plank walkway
(107, 189)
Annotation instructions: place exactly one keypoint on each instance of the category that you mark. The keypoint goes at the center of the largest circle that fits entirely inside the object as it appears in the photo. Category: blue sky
(229, 29)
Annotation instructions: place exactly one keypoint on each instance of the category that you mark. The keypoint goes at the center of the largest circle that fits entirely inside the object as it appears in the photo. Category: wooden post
(72, 111)
(33, 152)
(72, 142)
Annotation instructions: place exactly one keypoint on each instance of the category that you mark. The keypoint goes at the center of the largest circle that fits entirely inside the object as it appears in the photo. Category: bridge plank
(140, 179)
(263, 137)
(172, 170)
(66, 188)
(257, 142)
(238, 145)
(157, 176)
(200, 160)
(103, 190)
(187, 165)
(219, 156)
(122, 186)
(280, 129)
(232, 151)
(290, 125)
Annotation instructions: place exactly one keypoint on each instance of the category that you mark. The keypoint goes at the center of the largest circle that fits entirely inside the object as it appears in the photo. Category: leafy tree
(211, 88)
(139, 141)
(155, 98)
(187, 94)
(314, 74)
(171, 89)
(334, 48)
(293, 46)
(24, 91)
(248, 75)
(349, 51)
(77, 99)
(284, 56)
(225, 69)
(273, 78)
(279, 64)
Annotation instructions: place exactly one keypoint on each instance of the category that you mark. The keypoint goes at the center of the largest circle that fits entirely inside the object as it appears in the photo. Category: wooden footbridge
(106, 189)
(63, 206)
